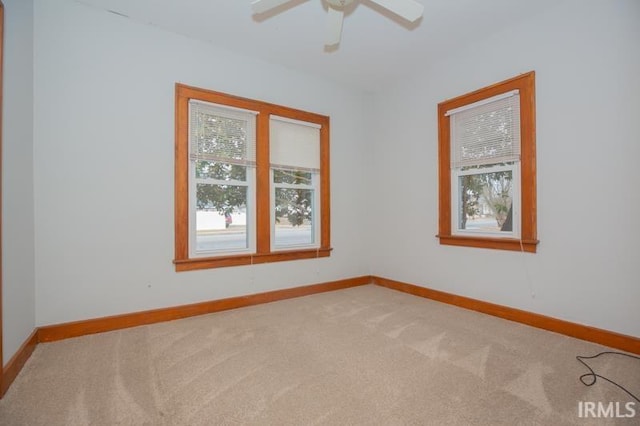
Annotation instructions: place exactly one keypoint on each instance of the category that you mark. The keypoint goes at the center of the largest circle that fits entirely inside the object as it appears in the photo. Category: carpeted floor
(361, 356)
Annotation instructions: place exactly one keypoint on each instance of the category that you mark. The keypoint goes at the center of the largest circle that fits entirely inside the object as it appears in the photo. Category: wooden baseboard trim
(591, 334)
(15, 364)
(55, 332)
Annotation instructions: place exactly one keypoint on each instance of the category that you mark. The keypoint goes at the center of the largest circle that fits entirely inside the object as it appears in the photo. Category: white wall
(103, 143)
(587, 63)
(104, 147)
(17, 178)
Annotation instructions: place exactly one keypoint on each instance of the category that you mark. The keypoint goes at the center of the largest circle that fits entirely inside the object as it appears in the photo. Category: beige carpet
(361, 356)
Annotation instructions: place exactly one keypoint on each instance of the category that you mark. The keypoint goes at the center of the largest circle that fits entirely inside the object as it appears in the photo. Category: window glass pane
(221, 217)
(294, 208)
(220, 171)
(487, 134)
(485, 202)
(296, 177)
(218, 134)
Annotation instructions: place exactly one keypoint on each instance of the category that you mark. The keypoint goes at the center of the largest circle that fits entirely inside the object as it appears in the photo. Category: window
(222, 161)
(487, 167)
(251, 183)
(295, 178)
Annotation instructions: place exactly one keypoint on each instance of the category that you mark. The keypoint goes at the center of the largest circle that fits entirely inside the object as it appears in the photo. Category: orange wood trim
(528, 153)
(490, 243)
(579, 331)
(283, 256)
(504, 86)
(80, 328)
(525, 83)
(444, 171)
(263, 186)
(181, 176)
(325, 183)
(249, 259)
(55, 332)
(1, 149)
(15, 364)
(248, 104)
(193, 264)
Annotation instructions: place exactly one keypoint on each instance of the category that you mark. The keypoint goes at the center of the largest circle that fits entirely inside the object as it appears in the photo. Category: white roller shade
(221, 134)
(487, 132)
(294, 144)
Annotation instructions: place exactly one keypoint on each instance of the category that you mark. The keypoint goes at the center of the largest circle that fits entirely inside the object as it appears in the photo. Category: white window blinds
(486, 132)
(294, 144)
(220, 134)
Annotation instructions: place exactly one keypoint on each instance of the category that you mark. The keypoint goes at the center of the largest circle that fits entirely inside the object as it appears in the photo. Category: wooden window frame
(263, 252)
(2, 384)
(528, 240)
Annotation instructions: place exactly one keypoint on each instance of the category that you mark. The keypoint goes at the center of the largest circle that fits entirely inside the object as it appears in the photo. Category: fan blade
(410, 10)
(261, 6)
(334, 27)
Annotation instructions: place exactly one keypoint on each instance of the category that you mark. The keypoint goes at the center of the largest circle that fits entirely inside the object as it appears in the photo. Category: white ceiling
(376, 46)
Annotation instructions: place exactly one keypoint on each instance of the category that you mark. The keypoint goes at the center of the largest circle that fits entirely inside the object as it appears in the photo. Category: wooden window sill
(248, 259)
(512, 244)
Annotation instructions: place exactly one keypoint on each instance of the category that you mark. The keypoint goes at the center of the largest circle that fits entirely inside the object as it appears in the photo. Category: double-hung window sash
(295, 188)
(222, 154)
(485, 157)
(486, 132)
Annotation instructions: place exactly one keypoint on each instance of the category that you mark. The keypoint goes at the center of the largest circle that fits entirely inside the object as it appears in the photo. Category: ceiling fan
(410, 10)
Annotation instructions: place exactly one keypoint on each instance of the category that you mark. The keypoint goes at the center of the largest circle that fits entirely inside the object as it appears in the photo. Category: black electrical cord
(594, 377)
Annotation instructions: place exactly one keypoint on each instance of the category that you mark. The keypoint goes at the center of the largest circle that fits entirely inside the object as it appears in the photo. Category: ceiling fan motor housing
(339, 4)
(410, 10)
